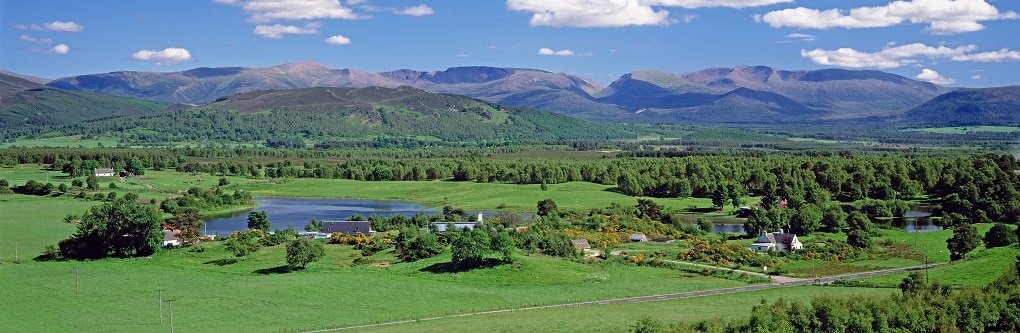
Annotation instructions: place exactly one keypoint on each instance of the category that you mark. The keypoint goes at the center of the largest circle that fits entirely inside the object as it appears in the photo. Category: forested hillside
(330, 114)
(999, 105)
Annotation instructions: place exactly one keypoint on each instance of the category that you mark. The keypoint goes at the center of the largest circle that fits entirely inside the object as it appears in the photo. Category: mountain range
(719, 95)
(743, 94)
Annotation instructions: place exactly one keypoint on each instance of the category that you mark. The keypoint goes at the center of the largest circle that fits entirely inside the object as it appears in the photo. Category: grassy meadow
(467, 195)
(215, 292)
(620, 317)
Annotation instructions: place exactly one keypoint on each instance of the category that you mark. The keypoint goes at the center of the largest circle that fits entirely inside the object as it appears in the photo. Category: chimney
(480, 220)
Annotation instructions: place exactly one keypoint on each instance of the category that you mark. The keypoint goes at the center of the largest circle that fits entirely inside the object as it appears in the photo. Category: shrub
(999, 235)
(302, 251)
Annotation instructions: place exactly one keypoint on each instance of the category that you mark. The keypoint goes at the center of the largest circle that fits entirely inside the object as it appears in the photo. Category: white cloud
(563, 52)
(167, 56)
(338, 40)
(888, 57)
(616, 13)
(716, 3)
(977, 77)
(278, 30)
(37, 40)
(264, 11)
(941, 16)
(60, 26)
(688, 18)
(462, 55)
(996, 56)
(928, 75)
(60, 49)
(419, 10)
(803, 37)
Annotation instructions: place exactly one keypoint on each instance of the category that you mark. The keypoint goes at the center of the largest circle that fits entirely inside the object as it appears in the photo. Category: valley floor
(214, 292)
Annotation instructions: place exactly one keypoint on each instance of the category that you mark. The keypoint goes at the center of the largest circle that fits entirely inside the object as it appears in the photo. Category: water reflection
(296, 212)
(918, 219)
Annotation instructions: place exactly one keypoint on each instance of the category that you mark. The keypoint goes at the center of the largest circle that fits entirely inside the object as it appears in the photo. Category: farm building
(348, 227)
(581, 244)
(776, 241)
(104, 172)
(447, 226)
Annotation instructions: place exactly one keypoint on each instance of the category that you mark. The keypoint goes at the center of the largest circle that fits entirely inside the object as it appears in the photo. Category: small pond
(296, 212)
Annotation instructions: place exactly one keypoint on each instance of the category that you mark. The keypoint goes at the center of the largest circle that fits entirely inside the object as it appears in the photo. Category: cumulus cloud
(893, 56)
(37, 40)
(338, 40)
(277, 31)
(167, 56)
(996, 56)
(60, 49)
(419, 10)
(616, 13)
(928, 75)
(941, 16)
(264, 11)
(563, 52)
(60, 26)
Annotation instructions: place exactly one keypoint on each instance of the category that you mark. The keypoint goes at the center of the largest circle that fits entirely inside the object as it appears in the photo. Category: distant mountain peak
(303, 66)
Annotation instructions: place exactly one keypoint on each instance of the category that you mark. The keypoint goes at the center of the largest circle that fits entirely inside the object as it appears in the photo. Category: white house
(776, 241)
(170, 239)
(104, 173)
(638, 237)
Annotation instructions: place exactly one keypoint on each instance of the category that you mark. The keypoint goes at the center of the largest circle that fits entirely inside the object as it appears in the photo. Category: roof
(581, 244)
(168, 236)
(347, 227)
(104, 170)
(776, 238)
(638, 235)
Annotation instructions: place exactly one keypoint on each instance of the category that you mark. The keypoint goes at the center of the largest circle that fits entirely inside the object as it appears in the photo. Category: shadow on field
(614, 190)
(222, 262)
(275, 270)
(701, 210)
(450, 267)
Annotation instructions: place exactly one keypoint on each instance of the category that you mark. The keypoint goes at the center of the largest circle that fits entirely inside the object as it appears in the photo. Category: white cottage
(777, 241)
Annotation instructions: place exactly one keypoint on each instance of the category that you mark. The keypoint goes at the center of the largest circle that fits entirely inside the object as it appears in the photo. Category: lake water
(296, 212)
(918, 220)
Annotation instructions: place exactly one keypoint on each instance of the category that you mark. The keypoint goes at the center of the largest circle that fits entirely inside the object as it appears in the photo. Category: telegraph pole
(170, 306)
(160, 306)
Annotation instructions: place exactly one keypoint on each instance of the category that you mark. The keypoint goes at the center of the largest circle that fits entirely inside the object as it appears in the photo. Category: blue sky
(964, 42)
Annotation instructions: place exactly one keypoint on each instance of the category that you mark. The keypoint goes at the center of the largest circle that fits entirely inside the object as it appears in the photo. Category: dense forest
(983, 187)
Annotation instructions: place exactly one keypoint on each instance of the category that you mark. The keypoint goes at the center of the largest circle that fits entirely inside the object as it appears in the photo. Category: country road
(650, 298)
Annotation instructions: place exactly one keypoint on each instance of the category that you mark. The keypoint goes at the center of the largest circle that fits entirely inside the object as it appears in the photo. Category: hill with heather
(759, 93)
(1000, 105)
(329, 114)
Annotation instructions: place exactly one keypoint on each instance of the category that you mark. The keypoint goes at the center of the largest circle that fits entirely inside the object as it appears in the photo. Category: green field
(28, 224)
(467, 195)
(966, 129)
(620, 317)
(62, 141)
(215, 293)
